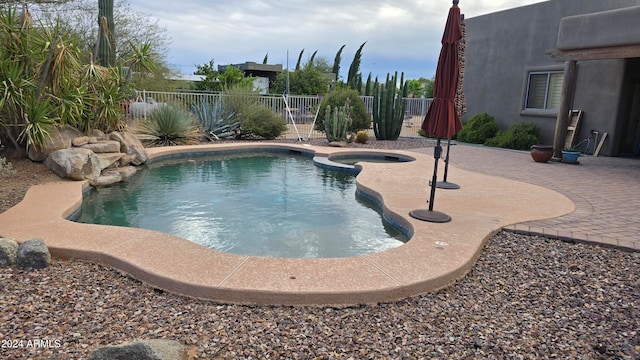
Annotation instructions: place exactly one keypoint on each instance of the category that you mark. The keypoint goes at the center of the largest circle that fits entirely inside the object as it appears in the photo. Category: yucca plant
(215, 120)
(169, 125)
(40, 121)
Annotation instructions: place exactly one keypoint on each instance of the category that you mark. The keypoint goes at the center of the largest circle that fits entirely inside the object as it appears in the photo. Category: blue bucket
(570, 156)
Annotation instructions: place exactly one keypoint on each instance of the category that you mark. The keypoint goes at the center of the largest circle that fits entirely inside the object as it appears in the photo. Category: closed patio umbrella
(461, 106)
(442, 119)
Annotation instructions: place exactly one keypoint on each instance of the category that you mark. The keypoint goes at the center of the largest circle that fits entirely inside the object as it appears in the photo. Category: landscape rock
(126, 160)
(131, 145)
(109, 160)
(126, 171)
(8, 252)
(75, 163)
(61, 138)
(98, 134)
(33, 254)
(80, 141)
(143, 350)
(106, 179)
(339, 144)
(99, 147)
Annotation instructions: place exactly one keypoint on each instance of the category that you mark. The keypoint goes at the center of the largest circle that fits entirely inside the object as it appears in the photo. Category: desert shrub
(517, 136)
(6, 169)
(259, 122)
(362, 137)
(478, 129)
(360, 119)
(169, 125)
(239, 97)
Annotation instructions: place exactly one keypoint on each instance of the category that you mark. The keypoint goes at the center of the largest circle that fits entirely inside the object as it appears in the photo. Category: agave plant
(215, 120)
(169, 125)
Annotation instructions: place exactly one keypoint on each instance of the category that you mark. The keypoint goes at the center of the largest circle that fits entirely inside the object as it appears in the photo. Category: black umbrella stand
(431, 215)
(445, 184)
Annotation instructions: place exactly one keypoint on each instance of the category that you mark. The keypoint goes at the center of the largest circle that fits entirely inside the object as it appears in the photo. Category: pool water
(276, 205)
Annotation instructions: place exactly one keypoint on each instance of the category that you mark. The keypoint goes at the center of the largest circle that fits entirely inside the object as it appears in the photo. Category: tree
(216, 81)
(313, 56)
(306, 81)
(420, 88)
(322, 65)
(368, 89)
(354, 78)
(336, 62)
(299, 60)
(310, 79)
(210, 80)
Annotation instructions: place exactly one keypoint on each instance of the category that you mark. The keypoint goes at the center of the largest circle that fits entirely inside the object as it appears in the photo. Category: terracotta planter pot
(541, 153)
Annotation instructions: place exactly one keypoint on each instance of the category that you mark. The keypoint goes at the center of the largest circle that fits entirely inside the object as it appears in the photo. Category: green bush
(478, 129)
(259, 122)
(360, 119)
(169, 125)
(517, 136)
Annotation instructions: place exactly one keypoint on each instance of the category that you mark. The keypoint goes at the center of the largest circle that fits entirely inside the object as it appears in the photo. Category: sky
(400, 35)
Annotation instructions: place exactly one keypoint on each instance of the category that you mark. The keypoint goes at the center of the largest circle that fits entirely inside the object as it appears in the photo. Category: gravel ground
(526, 298)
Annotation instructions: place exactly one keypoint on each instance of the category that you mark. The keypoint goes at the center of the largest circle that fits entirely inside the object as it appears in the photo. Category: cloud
(401, 35)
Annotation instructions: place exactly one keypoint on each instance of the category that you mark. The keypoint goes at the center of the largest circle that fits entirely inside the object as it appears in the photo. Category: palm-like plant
(43, 83)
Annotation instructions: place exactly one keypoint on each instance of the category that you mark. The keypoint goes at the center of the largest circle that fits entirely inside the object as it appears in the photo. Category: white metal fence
(299, 114)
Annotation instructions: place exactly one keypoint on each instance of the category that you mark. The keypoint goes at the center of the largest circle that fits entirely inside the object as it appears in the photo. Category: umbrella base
(446, 185)
(430, 216)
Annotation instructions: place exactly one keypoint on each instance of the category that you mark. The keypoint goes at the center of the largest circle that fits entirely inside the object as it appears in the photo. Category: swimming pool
(261, 204)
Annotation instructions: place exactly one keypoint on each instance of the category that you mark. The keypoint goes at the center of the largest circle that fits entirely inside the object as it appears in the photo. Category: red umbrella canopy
(442, 119)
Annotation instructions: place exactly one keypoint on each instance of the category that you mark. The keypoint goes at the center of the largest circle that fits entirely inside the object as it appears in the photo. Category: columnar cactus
(106, 49)
(389, 108)
(337, 123)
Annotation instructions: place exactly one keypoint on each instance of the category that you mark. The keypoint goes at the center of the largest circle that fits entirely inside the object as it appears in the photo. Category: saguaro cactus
(106, 47)
(389, 108)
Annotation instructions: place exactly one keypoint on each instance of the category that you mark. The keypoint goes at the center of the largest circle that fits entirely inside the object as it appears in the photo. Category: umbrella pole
(445, 184)
(430, 215)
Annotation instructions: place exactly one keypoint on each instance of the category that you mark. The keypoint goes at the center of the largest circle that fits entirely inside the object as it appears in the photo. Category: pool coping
(436, 255)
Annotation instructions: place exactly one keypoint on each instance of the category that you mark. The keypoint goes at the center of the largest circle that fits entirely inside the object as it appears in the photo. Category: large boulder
(114, 175)
(131, 145)
(74, 163)
(8, 252)
(60, 139)
(144, 350)
(108, 146)
(33, 254)
(109, 160)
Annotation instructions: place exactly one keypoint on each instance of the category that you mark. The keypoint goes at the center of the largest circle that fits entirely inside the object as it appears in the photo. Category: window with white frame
(544, 89)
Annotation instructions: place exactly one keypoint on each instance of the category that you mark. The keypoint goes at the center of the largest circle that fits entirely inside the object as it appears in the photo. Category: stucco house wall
(503, 47)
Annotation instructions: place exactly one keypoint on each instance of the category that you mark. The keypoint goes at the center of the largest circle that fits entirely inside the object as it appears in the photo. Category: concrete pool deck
(436, 255)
